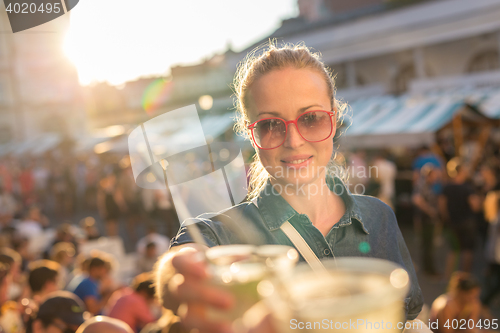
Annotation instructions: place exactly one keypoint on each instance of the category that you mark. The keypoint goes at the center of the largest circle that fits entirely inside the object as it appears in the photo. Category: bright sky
(120, 40)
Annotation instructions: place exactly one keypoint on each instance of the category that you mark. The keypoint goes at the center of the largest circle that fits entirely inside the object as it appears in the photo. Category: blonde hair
(255, 65)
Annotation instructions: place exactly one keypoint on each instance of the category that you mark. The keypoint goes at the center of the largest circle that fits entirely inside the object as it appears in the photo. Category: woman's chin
(295, 183)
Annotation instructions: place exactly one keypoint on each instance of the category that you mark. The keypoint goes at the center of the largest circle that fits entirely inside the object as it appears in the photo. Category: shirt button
(326, 252)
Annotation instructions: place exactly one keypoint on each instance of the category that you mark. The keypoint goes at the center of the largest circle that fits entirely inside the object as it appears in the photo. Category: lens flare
(156, 94)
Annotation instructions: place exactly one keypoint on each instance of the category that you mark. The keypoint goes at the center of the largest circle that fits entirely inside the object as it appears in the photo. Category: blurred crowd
(64, 224)
(455, 203)
(65, 221)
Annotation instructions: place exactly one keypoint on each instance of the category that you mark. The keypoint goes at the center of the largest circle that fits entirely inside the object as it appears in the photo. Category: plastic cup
(248, 272)
(355, 295)
(280, 259)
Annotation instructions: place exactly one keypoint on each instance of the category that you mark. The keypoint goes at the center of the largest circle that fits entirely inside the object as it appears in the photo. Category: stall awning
(36, 146)
(412, 120)
(402, 115)
(489, 103)
(213, 126)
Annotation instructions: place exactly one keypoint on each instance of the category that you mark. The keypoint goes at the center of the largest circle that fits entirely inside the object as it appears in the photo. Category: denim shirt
(367, 229)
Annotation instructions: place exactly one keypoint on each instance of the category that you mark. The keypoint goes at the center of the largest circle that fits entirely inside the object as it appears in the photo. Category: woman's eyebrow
(301, 110)
(268, 112)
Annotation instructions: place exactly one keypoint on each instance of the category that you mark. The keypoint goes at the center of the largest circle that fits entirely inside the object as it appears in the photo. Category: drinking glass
(354, 294)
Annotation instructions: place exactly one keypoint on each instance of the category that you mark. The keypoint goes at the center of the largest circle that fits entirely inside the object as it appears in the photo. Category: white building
(39, 90)
(399, 52)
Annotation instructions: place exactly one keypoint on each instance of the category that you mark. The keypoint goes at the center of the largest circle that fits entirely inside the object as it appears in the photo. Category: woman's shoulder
(372, 206)
(376, 217)
(363, 203)
(234, 225)
(243, 209)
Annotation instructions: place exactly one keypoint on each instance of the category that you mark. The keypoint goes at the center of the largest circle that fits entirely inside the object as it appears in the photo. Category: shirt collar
(276, 210)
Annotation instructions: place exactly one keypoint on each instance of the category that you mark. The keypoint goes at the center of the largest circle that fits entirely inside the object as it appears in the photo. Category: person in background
(146, 262)
(386, 171)
(101, 324)
(148, 202)
(63, 253)
(13, 260)
(33, 223)
(22, 246)
(457, 205)
(79, 173)
(488, 183)
(373, 184)
(152, 236)
(131, 196)
(5, 279)
(132, 305)
(41, 173)
(166, 211)
(43, 279)
(90, 229)
(424, 156)
(358, 170)
(79, 272)
(110, 203)
(61, 312)
(492, 277)
(91, 181)
(8, 207)
(461, 302)
(65, 234)
(27, 185)
(87, 286)
(6, 176)
(426, 202)
(59, 189)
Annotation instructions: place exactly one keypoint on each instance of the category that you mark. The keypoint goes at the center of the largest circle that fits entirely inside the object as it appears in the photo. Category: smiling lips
(298, 160)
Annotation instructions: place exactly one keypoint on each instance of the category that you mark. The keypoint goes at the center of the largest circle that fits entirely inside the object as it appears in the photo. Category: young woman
(287, 106)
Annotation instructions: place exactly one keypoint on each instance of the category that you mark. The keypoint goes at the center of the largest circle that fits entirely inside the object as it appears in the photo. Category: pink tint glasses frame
(252, 127)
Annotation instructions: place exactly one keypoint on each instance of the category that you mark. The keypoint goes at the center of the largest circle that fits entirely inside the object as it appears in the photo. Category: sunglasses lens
(269, 133)
(315, 126)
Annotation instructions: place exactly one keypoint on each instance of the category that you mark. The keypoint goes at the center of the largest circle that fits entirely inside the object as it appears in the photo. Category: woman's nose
(293, 138)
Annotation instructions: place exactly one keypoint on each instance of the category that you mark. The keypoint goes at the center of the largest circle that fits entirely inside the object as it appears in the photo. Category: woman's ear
(334, 121)
(249, 136)
(251, 141)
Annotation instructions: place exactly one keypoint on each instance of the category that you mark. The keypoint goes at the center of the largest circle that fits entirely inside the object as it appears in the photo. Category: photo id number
(26, 8)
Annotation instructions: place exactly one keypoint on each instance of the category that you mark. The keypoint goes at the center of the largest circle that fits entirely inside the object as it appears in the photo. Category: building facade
(374, 47)
(39, 89)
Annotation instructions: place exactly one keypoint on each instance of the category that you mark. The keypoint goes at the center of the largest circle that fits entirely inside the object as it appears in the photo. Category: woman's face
(287, 93)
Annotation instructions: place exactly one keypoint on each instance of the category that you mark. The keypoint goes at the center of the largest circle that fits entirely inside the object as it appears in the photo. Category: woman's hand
(188, 292)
